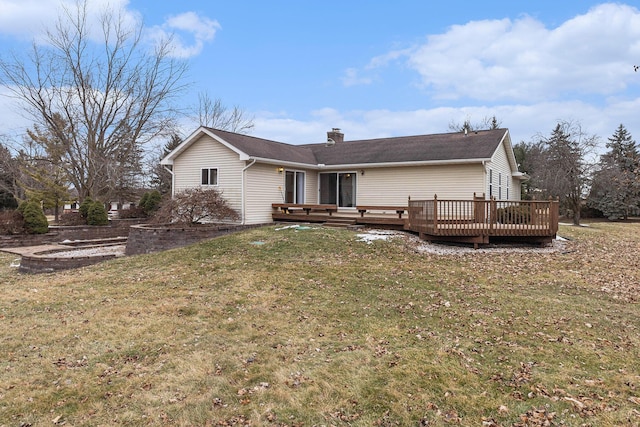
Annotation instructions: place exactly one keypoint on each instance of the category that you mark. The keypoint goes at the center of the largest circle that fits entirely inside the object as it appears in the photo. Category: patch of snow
(15, 263)
(372, 235)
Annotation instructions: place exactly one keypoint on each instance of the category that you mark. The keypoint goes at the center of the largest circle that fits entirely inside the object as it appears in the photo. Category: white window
(500, 186)
(209, 176)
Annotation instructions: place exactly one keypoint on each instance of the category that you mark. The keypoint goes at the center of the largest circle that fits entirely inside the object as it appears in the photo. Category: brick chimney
(334, 136)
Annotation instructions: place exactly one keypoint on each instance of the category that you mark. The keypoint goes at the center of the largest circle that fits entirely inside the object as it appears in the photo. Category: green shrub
(516, 214)
(35, 222)
(97, 214)
(84, 207)
(150, 202)
(7, 201)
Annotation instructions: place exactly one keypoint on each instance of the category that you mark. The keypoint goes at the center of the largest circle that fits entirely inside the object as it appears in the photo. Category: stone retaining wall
(57, 234)
(146, 238)
(48, 263)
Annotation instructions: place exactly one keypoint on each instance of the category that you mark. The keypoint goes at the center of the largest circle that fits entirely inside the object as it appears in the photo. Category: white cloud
(522, 60)
(525, 121)
(352, 78)
(29, 19)
(189, 25)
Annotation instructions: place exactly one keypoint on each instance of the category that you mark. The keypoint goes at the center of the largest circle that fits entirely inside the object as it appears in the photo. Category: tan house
(253, 173)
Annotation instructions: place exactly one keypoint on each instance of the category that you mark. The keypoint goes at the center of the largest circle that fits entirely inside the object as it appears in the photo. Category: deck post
(554, 214)
(435, 213)
(494, 212)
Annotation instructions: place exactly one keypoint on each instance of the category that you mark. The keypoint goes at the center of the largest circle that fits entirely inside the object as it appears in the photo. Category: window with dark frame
(209, 176)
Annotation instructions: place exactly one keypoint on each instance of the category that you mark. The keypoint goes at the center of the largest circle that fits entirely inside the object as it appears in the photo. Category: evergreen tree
(616, 184)
(97, 214)
(35, 222)
(43, 176)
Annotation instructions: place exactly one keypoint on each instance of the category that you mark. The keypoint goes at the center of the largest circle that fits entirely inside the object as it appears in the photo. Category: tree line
(565, 164)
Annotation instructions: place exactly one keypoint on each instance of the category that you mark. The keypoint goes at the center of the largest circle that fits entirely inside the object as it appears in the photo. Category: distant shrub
(97, 214)
(84, 207)
(150, 202)
(71, 218)
(11, 222)
(514, 215)
(35, 222)
(7, 201)
(133, 212)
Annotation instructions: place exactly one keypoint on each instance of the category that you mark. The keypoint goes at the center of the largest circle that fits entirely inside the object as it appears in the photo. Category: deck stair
(340, 223)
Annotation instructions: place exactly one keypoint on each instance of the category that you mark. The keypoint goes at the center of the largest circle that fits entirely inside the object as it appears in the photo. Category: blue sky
(381, 68)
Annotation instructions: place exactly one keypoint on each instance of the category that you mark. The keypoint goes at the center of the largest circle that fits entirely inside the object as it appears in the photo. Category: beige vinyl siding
(208, 153)
(263, 186)
(393, 186)
(500, 166)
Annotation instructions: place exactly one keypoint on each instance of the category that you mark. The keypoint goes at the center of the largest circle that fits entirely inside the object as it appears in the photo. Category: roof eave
(409, 163)
(322, 166)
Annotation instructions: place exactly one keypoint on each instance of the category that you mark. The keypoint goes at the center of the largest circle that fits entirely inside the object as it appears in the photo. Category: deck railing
(483, 217)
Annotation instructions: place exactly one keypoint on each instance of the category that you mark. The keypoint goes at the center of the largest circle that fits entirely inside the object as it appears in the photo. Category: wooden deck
(480, 221)
(477, 221)
(385, 217)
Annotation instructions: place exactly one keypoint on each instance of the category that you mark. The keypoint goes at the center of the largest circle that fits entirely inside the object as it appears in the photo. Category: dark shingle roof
(266, 149)
(420, 148)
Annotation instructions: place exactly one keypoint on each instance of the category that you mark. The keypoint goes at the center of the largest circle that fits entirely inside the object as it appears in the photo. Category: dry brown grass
(315, 328)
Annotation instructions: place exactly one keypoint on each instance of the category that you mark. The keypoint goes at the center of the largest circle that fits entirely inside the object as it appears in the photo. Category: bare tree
(486, 123)
(113, 96)
(562, 166)
(213, 113)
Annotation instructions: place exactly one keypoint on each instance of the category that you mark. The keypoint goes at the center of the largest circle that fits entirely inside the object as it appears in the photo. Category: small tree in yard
(84, 207)
(35, 222)
(97, 214)
(150, 202)
(195, 206)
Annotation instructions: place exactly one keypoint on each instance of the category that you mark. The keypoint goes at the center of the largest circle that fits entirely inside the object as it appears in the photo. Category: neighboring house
(252, 173)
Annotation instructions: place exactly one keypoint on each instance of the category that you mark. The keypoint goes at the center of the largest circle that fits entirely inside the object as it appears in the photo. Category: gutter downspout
(173, 184)
(243, 192)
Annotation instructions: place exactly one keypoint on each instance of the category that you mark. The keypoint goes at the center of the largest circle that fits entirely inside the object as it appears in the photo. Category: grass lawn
(313, 327)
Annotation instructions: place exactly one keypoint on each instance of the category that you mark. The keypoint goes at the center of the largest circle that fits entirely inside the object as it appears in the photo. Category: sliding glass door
(338, 188)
